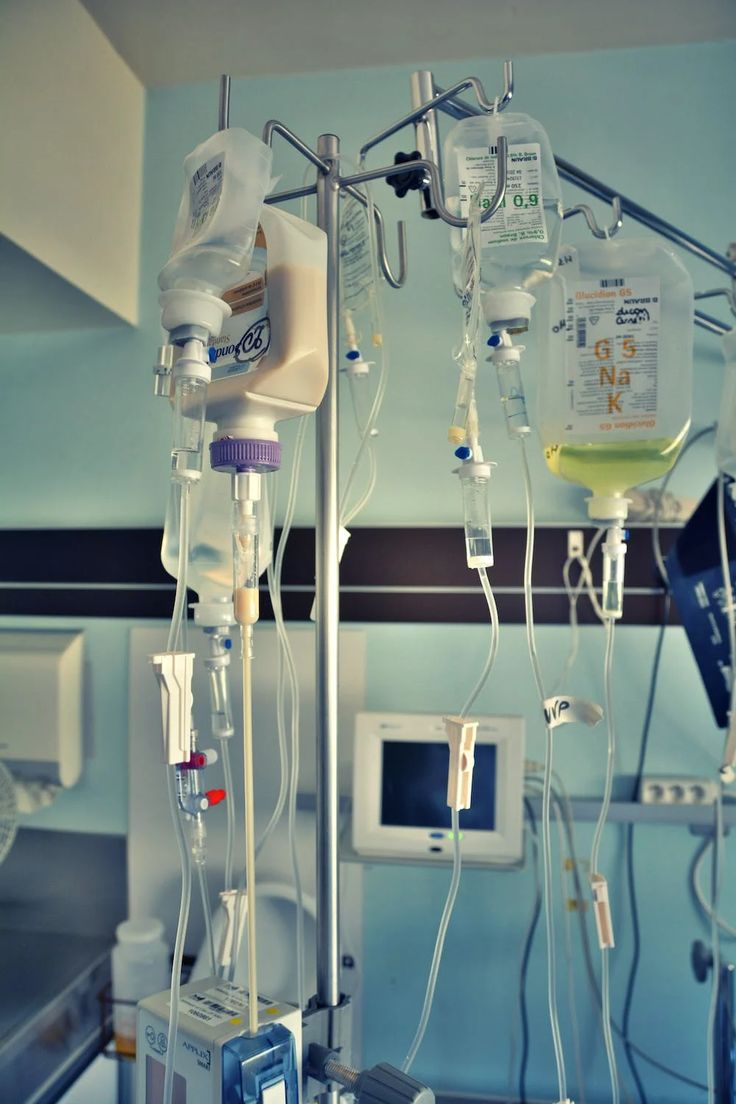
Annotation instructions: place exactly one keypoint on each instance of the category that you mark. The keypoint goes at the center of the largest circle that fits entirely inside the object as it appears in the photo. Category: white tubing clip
(234, 903)
(461, 738)
(173, 671)
(602, 909)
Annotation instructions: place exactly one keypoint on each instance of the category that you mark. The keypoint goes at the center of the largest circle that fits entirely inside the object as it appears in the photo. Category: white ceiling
(183, 41)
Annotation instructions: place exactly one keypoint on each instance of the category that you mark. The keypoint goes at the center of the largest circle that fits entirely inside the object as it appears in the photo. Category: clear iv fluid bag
(520, 242)
(726, 433)
(615, 395)
(225, 181)
(210, 572)
(356, 264)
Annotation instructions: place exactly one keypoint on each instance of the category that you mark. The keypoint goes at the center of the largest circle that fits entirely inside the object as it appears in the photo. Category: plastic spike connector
(461, 736)
(173, 671)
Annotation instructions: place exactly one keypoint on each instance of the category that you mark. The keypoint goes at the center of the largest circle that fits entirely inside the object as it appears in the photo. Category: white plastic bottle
(140, 966)
(726, 434)
(520, 242)
(615, 392)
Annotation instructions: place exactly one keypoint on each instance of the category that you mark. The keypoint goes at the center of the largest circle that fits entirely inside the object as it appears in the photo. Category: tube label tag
(561, 710)
(612, 354)
(521, 214)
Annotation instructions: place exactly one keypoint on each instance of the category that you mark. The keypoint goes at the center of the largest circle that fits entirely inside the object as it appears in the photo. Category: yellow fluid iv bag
(615, 394)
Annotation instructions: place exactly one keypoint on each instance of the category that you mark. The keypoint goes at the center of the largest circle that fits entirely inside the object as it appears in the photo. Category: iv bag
(356, 265)
(520, 242)
(726, 434)
(210, 571)
(225, 181)
(617, 353)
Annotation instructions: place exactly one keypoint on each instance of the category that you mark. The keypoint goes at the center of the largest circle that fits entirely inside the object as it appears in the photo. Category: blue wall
(652, 122)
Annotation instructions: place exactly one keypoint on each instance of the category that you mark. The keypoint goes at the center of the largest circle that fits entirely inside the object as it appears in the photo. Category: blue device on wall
(696, 581)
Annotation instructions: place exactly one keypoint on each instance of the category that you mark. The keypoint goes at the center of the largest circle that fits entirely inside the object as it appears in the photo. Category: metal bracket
(325, 1026)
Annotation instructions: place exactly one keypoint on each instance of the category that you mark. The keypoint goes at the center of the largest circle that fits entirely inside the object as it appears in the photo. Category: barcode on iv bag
(611, 283)
(581, 334)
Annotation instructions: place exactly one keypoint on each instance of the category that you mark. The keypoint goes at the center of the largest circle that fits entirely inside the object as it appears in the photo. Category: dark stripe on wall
(118, 573)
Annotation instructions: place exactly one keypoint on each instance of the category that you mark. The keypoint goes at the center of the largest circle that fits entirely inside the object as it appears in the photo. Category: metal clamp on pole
(381, 1084)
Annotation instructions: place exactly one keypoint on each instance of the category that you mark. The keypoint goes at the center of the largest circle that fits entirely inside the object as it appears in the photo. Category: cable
(526, 953)
(181, 932)
(715, 938)
(549, 921)
(727, 929)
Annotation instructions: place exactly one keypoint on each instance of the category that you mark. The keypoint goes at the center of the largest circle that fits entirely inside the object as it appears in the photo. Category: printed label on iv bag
(247, 337)
(205, 189)
(612, 354)
(521, 214)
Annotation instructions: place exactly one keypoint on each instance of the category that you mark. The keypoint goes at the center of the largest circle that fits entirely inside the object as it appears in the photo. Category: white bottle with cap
(140, 967)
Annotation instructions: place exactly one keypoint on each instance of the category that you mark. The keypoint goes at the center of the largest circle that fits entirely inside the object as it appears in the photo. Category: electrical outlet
(676, 790)
(575, 543)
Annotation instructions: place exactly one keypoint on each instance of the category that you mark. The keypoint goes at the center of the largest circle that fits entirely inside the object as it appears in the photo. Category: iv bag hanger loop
(602, 233)
(728, 293)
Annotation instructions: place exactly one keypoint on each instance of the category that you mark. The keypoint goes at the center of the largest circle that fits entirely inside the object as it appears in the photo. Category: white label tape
(561, 710)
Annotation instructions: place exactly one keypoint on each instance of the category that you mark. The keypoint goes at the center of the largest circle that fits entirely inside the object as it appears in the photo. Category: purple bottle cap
(236, 454)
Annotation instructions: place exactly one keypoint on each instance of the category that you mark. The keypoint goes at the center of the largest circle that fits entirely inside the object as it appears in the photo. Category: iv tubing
(456, 852)
(699, 894)
(549, 921)
(181, 931)
(227, 771)
(180, 601)
(594, 855)
(250, 851)
(715, 939)
(439, 945)
(206, 909)
(727, 584)
(179, 613)
(287, 658)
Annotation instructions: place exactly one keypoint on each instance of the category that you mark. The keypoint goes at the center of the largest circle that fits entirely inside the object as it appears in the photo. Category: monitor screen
(414, 786)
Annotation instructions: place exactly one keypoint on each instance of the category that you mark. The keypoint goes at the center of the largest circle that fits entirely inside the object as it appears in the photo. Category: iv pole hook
(597, 231)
